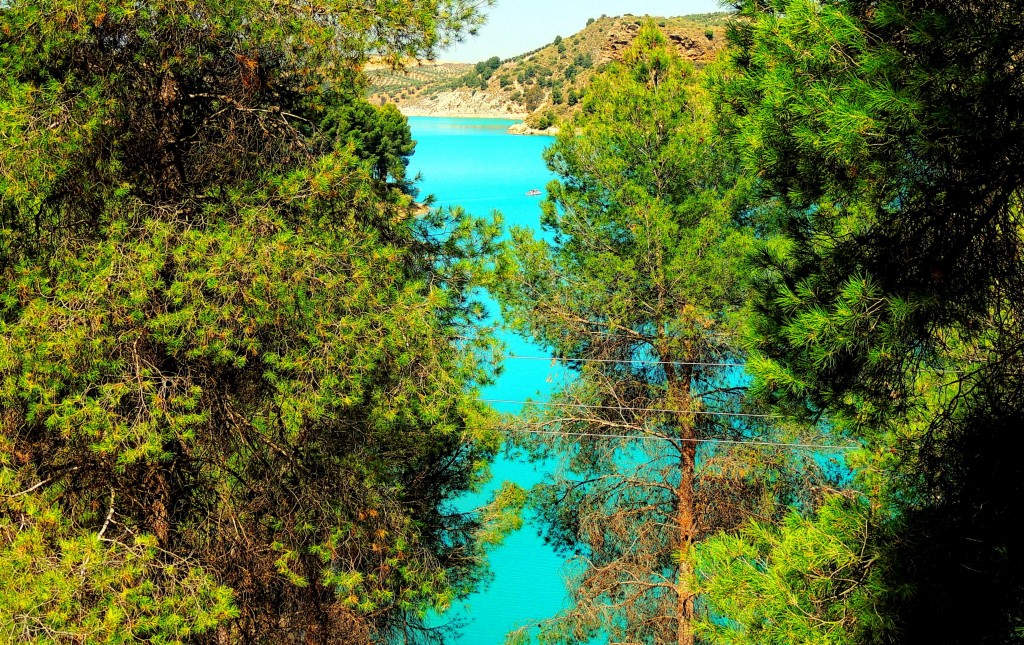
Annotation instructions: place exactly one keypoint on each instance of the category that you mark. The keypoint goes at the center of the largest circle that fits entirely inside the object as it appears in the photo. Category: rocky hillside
(541, 86)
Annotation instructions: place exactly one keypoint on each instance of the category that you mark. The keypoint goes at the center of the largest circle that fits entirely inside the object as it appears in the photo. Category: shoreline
(460, 104)
(460, 114)
(517, 125)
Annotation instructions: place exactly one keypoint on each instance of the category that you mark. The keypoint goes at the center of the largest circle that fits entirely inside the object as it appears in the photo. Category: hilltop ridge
(542, 86)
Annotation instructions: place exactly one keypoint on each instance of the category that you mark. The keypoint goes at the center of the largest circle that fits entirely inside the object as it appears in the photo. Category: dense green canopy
(888, 141)
(237, 374)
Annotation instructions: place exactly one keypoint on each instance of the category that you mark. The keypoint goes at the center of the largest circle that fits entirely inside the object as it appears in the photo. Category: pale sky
(517, 26)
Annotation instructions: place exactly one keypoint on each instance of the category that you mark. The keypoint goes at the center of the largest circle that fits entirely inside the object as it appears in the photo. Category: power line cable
(770, 444)
(623, 408)
(654, 437)
(617, 360)
(937, 370)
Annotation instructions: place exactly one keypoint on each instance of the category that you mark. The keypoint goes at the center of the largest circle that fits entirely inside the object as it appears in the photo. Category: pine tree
(802, 580)
(887, 139)
(638, 285)
(236, 371)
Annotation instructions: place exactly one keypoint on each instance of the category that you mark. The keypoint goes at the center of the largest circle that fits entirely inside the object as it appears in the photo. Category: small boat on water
(533, 192)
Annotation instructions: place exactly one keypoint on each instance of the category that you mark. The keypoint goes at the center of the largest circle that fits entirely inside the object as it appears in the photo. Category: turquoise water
(476, 164)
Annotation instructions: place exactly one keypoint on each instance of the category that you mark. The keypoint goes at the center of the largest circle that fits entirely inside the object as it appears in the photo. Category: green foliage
(714, 19)
(504, 514)
(886, 139)
(482, 73)
(641, 261)
(802, 581)
(378, 135)
(237, 376)
(61, 585)
(533, 97)
(424, 77)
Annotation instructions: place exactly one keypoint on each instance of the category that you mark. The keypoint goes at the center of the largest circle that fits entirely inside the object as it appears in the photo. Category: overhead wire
(809, 446)
(624, 408)
(655, 437)
(739, 442)
(514, 357)
(618, 360)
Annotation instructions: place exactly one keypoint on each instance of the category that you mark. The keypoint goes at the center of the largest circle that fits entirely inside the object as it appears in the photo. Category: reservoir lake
(476, 164)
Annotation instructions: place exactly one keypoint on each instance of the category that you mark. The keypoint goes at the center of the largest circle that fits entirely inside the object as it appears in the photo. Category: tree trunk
(685, 517)
(686, 523)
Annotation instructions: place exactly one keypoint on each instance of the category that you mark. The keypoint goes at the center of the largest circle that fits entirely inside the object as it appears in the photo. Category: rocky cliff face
(692, 42)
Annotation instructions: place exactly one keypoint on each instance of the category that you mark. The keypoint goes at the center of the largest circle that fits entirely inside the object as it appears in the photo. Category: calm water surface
(476, 164)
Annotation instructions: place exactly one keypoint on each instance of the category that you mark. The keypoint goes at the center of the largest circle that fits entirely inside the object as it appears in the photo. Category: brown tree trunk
(686, 522)
(685, 517)
(159, 505)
